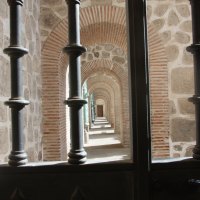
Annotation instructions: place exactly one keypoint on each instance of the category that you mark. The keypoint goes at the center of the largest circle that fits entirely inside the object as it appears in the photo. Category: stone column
(17, 102)
(77, 154)
(195, 50)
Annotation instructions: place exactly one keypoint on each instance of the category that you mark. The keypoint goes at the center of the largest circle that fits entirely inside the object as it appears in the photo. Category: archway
(53, 68)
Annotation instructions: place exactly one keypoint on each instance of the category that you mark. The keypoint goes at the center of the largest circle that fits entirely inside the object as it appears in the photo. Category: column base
(77, 156)
(196, 152)
(17, 158)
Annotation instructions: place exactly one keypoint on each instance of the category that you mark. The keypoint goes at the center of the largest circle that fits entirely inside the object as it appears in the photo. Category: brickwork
(107, 54)
(172, 22)
(31, 85)
(108, 63)
(103, 32)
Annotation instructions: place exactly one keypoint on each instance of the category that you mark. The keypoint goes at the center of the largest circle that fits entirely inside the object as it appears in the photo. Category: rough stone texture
(4, 140)
(118, 60)
(149, 11)
(182, 149)
(166, 36)
(109, 47)
(105, 54)
(3, 9)
(182, 37)
(186, 26)
(188, 152)
(51, 2)
(182, 130)
(160, 10)
(187, 58)
(183, 10)
(3, 112)
(182, 80)
(172, 107)
(1, 33)
(101, 2)
(158, 23)
(172, 52)
(118, 52)
(178, 148)
(28, 28)
(47, 18)
(186, 107)
(4, 77)
(173, 19)
(62, 11)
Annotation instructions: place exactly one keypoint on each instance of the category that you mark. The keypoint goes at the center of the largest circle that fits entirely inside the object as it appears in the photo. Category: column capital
(17, 2)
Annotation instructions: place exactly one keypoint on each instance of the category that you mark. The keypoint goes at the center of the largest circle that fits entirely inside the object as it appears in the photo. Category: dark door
(137, 179)
(99, 110)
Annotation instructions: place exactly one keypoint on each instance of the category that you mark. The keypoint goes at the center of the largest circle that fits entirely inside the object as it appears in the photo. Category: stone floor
(103, 144)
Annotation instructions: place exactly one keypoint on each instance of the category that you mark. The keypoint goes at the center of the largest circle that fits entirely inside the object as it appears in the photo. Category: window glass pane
(104, 75)
(105, 80)
(171, 79)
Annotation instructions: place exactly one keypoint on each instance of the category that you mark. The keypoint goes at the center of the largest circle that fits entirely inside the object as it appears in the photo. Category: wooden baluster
(74, 49)
(17, 156)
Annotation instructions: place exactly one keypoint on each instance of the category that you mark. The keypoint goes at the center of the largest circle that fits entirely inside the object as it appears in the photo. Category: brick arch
(105, 33)
(104, 66)
(105, 83)
(99, 17)
(106, 95)
(107, 23)
(52, 97)
(120, 75)
(102, 13)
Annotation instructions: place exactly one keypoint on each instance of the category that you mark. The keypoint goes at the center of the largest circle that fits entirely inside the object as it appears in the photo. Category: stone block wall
(172, 22)
(169, 23)
(32, 81)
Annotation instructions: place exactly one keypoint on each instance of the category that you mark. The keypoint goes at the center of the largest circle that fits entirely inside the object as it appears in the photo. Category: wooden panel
(41, 183)
(173, 181)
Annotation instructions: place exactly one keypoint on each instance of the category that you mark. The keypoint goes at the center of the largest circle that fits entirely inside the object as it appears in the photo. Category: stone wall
(172, 21)
(45, 30)
(32, 81)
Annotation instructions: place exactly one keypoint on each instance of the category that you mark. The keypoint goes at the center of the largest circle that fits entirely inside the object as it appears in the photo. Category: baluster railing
(74, 49)
(17, 156)
(195, 49)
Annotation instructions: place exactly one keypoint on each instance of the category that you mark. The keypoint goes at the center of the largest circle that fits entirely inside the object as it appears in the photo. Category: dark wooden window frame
(145, 173)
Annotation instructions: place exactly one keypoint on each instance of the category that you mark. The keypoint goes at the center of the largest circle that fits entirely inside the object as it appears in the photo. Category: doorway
(99, 110)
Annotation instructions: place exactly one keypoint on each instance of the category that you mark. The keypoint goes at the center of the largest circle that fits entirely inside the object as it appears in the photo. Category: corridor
(103, 143)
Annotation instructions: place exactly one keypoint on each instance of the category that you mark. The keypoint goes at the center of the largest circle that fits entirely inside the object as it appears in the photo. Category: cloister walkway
(104, 144)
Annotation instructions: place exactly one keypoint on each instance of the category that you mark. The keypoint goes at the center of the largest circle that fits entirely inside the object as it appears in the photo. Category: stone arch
(98, 18)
